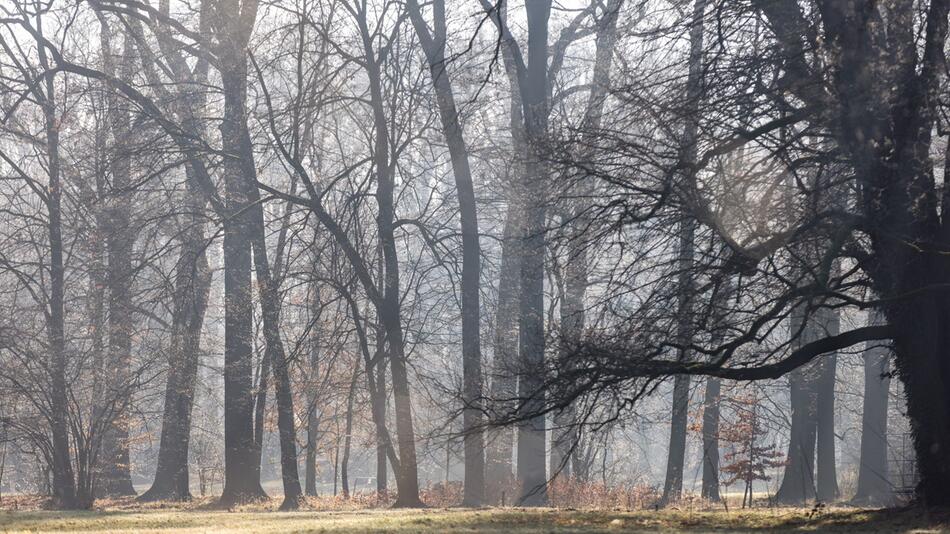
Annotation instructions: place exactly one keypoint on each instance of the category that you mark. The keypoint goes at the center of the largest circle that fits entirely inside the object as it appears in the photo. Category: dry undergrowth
(366, 514)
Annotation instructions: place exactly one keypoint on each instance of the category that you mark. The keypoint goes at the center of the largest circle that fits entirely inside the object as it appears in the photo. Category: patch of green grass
(487, 521)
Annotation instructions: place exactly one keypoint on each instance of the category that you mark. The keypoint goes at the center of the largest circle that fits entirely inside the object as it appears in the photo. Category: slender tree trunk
(348, 436)
(710, 431)
(192, 287)
(874, 487)
(388, 308)
(310, 468)
(434, 47)
(673, 486)
(64, 484)
(827, 478)
(274, 353)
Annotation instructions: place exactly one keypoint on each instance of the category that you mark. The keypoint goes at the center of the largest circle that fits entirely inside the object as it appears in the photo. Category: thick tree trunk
(920, 347)
(241, 465)
(504, 372)
(874, 487)
(380, 406)
(532, 464)
(115, 477)
(798, 482)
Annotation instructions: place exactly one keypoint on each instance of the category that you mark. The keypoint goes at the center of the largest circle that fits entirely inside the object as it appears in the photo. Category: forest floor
(158, 518)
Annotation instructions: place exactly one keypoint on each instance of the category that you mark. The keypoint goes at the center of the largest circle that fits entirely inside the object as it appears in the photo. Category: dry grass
(199, 516)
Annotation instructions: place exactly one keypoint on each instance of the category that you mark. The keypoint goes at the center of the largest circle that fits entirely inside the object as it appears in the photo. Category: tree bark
(532, 464)
(64, 484)
(874, 486)
(503, 389)
(275, 354)
(115, 477)
(348, 435)
(710, 431)
(242, 466)
(827, 477)
(798, 482)
(310, 466)
(388, 307)
(434, 47)
(673, 485)
(192, 287)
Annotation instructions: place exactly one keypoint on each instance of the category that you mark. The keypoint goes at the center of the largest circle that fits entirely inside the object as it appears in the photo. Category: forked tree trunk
(565, 433)
(192, 287)
(388, 307)
(504, 371)
(270, 311)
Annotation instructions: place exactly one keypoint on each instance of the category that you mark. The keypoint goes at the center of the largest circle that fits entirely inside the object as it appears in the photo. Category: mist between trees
(508, 250)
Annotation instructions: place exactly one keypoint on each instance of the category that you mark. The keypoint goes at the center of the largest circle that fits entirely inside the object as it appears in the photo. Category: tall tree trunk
(192, 287)
(532, 464)
(270, 311)
(115, 477)
(504, 383)
(310, 467)
(241, 465)
(504, 372)
(798, 482)
(673, 485)
(827, 478)
(64, 484)
(874, 487)
(565, 434)
(434, 47)
(348, 435)
(388, 307)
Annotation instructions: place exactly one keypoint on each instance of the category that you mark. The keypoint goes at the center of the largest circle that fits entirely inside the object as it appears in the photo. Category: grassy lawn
(501, 521)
